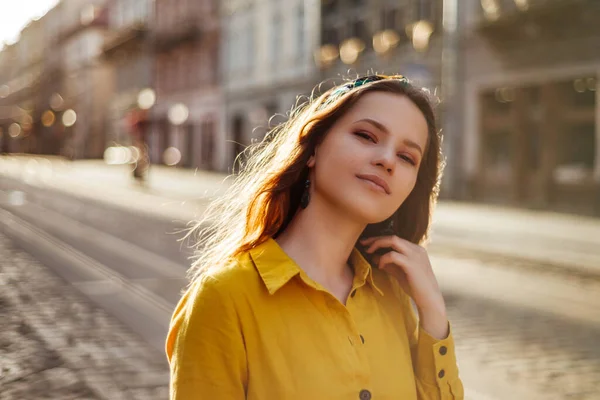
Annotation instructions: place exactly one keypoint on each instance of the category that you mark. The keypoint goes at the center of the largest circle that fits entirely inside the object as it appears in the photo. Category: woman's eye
(365, 135)
(406, 158)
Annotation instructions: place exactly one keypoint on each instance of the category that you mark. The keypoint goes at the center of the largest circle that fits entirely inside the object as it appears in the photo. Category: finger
(394, 242)
(375, 259)
(367, 241)
(395, 264)
(400, 277)
(395, 260)
(371, 239)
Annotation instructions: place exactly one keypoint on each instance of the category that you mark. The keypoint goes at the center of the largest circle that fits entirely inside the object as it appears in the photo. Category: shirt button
(441, 373)
(362, 338)
(365, 395)
(443, 350)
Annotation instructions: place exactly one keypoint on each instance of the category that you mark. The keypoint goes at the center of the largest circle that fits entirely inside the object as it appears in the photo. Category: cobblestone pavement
(557, 358)
(55, 345)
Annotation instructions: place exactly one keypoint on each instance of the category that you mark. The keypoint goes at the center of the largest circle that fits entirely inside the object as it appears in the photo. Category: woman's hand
(409, 264)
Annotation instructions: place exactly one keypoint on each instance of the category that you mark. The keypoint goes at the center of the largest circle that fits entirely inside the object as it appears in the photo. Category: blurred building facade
(7, 108)
(50, 128)
(267, 49)
(524, 123)
(88, 82)
(128, 50)
(531, 109)
(51, 78)
(188, 116)
(266, 54)
(381, 36)
(21, 66)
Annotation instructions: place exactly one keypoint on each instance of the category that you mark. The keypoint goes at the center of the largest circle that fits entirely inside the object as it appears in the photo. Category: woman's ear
(312, 160)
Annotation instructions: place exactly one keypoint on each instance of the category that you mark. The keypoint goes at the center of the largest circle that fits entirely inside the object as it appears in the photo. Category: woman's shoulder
(212, 298)
(217, 286)
(232, 276)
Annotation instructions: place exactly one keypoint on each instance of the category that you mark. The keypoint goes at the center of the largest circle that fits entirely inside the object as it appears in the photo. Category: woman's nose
(386, 160)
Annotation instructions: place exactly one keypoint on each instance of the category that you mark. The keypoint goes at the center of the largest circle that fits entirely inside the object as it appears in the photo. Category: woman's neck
(320, 241)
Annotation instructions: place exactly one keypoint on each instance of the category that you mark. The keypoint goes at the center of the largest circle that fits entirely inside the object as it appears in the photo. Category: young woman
(309, 263)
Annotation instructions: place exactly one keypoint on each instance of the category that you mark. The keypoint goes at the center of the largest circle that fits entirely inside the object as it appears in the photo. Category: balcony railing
(548, 20)
(132, 34)
(184, 30)
(98, 21)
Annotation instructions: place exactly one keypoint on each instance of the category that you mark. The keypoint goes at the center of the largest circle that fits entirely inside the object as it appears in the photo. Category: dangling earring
(305, 199)
(389, 229)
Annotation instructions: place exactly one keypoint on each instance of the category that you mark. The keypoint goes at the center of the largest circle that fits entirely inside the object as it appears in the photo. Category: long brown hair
(265, 195)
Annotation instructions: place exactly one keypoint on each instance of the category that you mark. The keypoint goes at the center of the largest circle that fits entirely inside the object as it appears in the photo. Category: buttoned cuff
(435, 362)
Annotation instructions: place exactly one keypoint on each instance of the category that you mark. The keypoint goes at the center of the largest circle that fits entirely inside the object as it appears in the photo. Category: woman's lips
(375, 182)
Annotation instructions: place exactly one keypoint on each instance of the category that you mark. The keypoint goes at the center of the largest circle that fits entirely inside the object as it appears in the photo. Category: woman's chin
(373, 216)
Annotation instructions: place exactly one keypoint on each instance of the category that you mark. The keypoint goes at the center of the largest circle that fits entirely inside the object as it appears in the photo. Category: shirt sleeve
(435, 366)
(205, 346)
(434, 360)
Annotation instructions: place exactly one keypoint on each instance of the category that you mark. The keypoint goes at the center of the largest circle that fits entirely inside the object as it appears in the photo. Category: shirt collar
(276, 268)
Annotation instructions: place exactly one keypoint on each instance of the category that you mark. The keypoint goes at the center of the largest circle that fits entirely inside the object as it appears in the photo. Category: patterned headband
(337, 93)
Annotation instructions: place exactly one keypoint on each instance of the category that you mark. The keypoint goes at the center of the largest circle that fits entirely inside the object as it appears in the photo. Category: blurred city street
(55, 342)
(525, 311)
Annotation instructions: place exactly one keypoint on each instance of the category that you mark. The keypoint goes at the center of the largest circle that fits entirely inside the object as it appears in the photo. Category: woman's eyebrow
(385, 130)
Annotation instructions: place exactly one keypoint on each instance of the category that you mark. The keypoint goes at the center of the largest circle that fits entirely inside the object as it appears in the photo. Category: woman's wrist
(434, 322)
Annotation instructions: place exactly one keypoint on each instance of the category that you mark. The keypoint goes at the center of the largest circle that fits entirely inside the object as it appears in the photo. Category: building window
(392, 18)
(199, 67)
(207, 143)
(159, 77)
(182, 73)
(497, 129)
(581, 92)
(187, 67)
(250, 44)
(171, 72)
(238, 143)
(330, 7)
(577, 133)
(142, 6)
(275, 37)
(360, 29)
(498, 154)
(498, 101)
(577, 144)
(229, 50)
(239, 54)
(424, 10)
(330, 35)
(300, 36)
(215, 62)
(115, 16)
(236, 50)
(209, 8)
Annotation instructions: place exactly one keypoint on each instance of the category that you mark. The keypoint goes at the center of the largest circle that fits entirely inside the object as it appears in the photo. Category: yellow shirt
(260, 328)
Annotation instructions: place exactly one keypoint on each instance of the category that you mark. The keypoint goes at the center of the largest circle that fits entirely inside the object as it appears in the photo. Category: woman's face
(367, 164)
